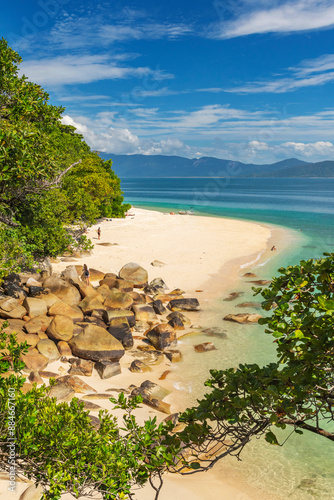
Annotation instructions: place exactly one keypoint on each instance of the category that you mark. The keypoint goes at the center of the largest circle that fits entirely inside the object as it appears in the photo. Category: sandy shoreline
(194, 248)
(200, 253)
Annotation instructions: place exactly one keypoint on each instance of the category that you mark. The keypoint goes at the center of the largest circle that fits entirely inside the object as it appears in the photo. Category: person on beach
(86, 273)
(273, 248)
(98, 233)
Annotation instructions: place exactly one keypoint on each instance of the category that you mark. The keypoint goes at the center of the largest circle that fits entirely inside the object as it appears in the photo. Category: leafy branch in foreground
(297, 390)
(60, 447)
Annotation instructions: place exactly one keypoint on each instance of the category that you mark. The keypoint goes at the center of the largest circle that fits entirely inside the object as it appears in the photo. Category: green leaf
(271, 438)
(195, 465)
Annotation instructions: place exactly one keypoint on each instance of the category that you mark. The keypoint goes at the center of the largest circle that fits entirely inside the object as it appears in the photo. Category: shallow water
(303, 469)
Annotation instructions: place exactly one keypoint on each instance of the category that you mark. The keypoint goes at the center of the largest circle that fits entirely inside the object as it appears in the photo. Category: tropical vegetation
(50, 180)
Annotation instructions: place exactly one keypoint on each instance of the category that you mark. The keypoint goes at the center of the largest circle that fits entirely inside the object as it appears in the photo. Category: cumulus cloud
(311, 149)
(166, 147)
(217, 131)
(110, 139)
(107, 140)
(266, 17)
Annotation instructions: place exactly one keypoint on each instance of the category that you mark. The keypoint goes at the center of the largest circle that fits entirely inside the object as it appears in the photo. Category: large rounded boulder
(62, 289)
(34, 361)
(135, 273)
(35, 307)
(60, 328)
(11, 308)
(162, 336)
(62, 309)
(96, 343)
(118, 300)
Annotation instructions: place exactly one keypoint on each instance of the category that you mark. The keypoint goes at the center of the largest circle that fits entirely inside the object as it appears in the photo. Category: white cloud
(145, 31)
(319, 148)
(223, 132)
(282, 85)
(258, 146)
(110, 139)
(65, 70)
(289, 17)
(318, 65)
(212, 90)
(144, 112)
(165, 147)
(309, 73)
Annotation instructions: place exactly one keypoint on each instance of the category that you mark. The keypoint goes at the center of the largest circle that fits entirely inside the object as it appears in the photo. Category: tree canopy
(59, 446)
(296, 389)
(49, 177)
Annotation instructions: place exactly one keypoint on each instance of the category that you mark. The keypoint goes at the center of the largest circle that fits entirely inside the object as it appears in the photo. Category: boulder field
(91, 327)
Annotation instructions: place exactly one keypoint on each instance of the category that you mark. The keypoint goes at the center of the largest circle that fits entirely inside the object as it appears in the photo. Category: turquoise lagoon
(303, 469)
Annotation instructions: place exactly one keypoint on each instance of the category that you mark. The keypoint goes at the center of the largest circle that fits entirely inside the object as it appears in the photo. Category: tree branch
(307, 427)
(6, 220)
(55, 183)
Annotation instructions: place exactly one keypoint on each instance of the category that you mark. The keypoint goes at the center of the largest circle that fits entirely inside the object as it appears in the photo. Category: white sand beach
(194, 248)
(199, 253)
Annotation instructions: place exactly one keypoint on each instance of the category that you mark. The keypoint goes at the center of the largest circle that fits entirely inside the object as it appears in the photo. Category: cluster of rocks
(91, 327)
(245, 318)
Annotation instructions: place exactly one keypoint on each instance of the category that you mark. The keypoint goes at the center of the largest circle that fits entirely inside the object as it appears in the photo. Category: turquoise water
(303, 469)
(300, 204)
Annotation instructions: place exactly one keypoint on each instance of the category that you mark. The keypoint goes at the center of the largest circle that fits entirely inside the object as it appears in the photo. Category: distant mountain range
(140, 166)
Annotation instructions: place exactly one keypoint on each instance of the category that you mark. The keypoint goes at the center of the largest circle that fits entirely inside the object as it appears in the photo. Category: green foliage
(93, 190)
(58, 446)
(14, 253)
(295, 390)
(41, 193)
(26, 153)
(43, 218)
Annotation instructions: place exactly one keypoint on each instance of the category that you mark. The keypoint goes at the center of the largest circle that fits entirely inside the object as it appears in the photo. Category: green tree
(93, 190)
(37, 154)
(295, 390)
(59, 447)
(14, 253)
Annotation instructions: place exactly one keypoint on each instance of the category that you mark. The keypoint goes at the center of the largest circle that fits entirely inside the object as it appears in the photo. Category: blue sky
(249, 80)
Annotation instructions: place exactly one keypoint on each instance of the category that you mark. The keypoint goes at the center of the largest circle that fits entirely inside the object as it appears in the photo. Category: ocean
(302, 469)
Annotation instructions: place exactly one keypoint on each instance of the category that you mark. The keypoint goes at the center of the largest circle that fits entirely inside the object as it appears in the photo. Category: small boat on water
(186, 212)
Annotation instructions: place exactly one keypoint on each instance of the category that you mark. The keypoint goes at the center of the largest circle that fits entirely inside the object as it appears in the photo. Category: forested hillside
(49, 177)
